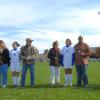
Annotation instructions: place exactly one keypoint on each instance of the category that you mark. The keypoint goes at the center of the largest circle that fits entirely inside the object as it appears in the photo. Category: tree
(46, 51)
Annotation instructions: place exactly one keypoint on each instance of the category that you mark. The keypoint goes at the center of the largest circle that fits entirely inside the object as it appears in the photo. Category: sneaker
(22, 86)
(4, 86)
(66, 85)
(15, 86)
(53, 83)
(70, 85)
(86, 86)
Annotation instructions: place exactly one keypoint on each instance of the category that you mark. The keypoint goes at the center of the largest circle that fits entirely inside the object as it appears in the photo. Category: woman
(68, 61)
(4, 61)
(15, 63)
(54, 56)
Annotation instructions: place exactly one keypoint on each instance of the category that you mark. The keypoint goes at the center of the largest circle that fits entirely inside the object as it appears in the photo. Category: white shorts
(15, 67)
(66, 66)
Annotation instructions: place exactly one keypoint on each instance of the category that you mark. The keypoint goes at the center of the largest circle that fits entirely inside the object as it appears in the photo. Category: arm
(73, 58)
(62, 57)
(88, 51)
(50, 56)
(22, 54)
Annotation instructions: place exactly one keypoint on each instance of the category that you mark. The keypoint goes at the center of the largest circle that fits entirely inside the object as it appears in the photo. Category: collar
(67, 45)
(15, 49)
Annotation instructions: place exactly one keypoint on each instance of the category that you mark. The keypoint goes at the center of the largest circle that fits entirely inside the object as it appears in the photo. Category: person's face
(56, 45)
(80, 39)
(14, 45)
(28, 43)
(2, 45)
(67, 42)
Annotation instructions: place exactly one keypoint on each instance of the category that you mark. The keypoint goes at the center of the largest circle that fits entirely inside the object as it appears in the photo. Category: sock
(70, 79)
(17, 80)
(14, 80)
(66, 78)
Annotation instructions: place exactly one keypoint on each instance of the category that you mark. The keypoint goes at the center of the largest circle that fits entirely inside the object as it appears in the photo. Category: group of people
(67, 57)
(25, 56)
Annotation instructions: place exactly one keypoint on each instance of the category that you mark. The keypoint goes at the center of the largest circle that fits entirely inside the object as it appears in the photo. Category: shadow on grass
(91, 87)
(94, 87)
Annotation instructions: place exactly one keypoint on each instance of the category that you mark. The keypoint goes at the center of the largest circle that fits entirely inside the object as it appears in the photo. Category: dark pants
(24, 71)
(81, 74)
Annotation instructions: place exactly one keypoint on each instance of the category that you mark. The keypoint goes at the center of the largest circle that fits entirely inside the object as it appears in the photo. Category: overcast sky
(49, 20)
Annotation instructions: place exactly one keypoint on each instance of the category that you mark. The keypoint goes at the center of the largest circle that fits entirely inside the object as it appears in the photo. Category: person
(28, 61)
(54, 56)
(4, 62)
(15, 63)
(68, 61)
(82, 53)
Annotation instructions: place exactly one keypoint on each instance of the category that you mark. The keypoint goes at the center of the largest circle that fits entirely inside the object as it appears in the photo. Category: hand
(28, 58)
(56, 58)
(62, 64)
(72, 64)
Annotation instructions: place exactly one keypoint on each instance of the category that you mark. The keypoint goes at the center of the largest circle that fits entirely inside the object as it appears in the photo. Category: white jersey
(15, 56)
(67, 53)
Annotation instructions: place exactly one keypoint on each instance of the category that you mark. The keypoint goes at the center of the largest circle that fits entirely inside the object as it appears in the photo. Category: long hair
(54, 43)
(4, 46)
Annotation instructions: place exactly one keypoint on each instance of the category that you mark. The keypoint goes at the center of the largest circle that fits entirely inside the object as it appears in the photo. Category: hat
(29, 39)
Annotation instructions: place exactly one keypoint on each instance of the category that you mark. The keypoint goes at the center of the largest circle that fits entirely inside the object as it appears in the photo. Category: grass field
(43, 91)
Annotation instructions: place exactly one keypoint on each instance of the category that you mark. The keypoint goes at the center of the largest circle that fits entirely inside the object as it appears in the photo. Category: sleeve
(73, 56)
(62, 57)
(50, 56)
(87, 52)
(22, 54)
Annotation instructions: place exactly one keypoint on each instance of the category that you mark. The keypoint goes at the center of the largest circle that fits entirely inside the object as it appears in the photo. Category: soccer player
(68, 61)
(15, 63)
(55, 58)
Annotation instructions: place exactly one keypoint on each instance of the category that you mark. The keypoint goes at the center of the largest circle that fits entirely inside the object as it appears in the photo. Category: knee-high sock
(66, 79)
(14, 80)
(70, 79)
(17, 80)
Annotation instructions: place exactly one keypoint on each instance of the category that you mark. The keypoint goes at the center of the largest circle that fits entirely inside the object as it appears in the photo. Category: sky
(48, 20)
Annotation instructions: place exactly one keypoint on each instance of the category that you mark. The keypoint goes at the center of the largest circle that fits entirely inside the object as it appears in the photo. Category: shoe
(86, 86)
(4, 86)
(32, 85)
(66, 85)
(70, 85)
(57, 83)
(22, 86)
(15, 86)
(53, 83)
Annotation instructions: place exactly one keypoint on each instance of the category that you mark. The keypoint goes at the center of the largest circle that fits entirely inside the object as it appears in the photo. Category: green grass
(43, 91)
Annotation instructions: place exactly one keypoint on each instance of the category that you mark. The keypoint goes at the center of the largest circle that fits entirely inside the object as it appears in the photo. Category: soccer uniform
(15, 60)
(67, 53)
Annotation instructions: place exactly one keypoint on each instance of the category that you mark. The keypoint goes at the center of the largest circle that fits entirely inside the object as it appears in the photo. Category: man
(28, 61)
(82, 53)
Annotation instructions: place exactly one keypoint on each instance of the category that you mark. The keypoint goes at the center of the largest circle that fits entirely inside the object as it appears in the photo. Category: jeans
(82, 74)
(55, 74)
(24, 71)
(3, 74)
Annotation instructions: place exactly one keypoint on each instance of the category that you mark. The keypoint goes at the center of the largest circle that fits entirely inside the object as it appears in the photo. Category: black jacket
(52, 55)
(4, 56)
